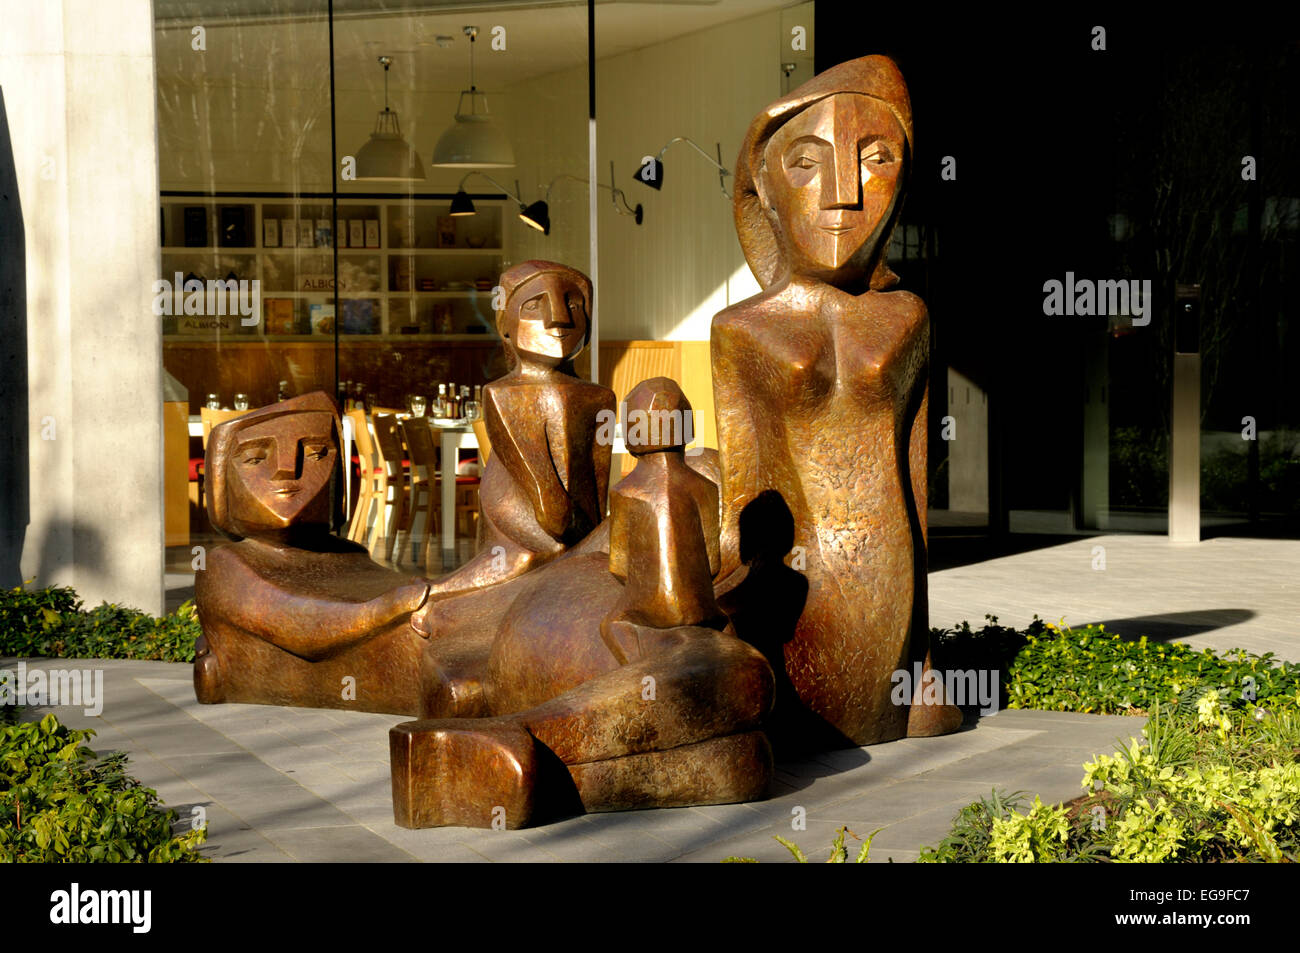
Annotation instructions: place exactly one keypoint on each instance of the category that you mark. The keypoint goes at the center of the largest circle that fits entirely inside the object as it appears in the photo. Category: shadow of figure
(764, 608)
(14, 487)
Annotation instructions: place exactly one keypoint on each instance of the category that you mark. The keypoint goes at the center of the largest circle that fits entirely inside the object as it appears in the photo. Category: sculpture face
(549, 316)
(278, 471)
(832, 174)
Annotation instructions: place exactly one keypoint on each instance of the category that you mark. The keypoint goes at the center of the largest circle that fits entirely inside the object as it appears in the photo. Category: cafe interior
(362, 172)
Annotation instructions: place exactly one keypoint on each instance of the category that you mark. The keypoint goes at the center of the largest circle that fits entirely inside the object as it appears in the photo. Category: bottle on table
(440, 404)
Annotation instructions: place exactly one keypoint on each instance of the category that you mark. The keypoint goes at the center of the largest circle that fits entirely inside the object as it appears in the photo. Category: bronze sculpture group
(763, 594)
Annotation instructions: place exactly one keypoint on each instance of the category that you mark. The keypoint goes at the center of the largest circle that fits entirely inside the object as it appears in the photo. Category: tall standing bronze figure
(821, 390)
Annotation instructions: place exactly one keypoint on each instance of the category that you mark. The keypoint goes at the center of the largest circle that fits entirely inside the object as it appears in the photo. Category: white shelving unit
(429, 278)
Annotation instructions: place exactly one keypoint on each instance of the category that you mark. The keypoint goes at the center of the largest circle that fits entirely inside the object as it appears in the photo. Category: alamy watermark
(211, 299)
(648, 428)
(957, 687)
(1085, 297)
(74, 688)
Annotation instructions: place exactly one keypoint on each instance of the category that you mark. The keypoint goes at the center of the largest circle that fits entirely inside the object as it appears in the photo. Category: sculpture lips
(287, 490)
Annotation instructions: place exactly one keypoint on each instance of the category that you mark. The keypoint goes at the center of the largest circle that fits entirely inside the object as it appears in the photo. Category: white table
(452, 441)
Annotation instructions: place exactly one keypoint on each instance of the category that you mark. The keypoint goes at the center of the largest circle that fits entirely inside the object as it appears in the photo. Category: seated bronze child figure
(291, 614)
(602, 681)
(544, 487)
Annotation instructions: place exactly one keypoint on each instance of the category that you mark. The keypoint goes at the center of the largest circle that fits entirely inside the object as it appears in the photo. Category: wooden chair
(210, 418)
(390, 453)
(484, 444)
(368, 475)
(423, 479)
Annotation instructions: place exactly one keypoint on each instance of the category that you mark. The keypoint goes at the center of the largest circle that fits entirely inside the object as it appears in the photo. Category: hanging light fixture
(386, 156)
(474, 140)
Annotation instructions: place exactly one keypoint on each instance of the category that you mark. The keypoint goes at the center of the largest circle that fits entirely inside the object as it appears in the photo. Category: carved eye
(804, 162)
(532, 304)
(317, 453)
(877, 153)
(252, 458)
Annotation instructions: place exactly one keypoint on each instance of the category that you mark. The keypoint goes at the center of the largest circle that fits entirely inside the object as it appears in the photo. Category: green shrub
(1212, 783)
(839, 852)
(51, 623)
(1092, 670)
(59, 801)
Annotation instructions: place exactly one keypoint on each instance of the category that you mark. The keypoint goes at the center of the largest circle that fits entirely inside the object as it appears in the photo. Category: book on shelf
(270, 233)
(357, 233)
(196, 226)
(322, 319)
(359, 317)
(280, 316)
(306, 233)
(372, 233)
(288, 233)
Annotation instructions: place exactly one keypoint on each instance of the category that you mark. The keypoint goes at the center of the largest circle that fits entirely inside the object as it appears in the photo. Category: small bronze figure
(546, 484)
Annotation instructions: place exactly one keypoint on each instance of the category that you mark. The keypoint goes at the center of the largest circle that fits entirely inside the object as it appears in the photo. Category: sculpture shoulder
(905, 304)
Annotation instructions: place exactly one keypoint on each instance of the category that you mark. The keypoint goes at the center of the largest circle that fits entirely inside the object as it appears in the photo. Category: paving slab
(281, 785)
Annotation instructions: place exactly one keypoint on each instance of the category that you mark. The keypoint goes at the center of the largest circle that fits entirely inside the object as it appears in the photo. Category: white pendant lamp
(386, 156)
(474, 140)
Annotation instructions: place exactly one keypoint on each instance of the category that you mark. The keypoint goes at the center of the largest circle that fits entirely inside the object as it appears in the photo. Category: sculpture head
(820, 177)
(658, 417)
(545, 319)
(270, 469)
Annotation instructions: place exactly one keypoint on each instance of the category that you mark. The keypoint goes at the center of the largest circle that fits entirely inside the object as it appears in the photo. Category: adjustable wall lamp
(462, 204)
(538, 214)
(651, 172)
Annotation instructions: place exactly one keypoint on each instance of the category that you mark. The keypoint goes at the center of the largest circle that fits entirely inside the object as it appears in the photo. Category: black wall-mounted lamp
(462, 204)
(651, 172)
(616, 196)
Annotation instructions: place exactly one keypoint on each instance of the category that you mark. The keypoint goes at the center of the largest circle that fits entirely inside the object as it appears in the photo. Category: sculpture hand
(392, 605)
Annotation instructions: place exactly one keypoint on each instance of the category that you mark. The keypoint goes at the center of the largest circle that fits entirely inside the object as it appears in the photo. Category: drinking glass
(415, 404)
(214, 402)
(241, 402)
(472, 410)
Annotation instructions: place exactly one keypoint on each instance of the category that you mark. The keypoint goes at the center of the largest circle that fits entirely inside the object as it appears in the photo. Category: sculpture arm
(736, 429)
(311, 627)
(532, 469)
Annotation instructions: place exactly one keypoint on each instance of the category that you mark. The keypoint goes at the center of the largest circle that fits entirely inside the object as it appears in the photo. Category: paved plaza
(284, 784)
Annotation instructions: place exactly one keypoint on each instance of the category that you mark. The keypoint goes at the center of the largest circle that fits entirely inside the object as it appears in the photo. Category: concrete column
(79, 135)
(968, 452)
(1095, 479)
(1185, 451)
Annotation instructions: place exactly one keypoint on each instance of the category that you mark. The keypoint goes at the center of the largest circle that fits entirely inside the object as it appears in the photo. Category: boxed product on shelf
(270, 233)
(357, 233)
(288, 232)
(322, 319)
(372, 233)
(359, 317)
(281, 317)
(306, 233)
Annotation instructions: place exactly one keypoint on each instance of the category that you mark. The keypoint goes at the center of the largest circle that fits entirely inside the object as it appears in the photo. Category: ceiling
(285, 42)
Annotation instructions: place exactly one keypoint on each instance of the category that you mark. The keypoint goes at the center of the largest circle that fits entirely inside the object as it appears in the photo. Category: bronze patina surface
(613, 664)
(820, 383)
(545, 485)
(291, 614)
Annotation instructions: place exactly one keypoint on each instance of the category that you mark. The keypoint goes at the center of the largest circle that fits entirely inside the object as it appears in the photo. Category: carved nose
(558, 316)
(843, 189)
(288, 463)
